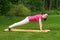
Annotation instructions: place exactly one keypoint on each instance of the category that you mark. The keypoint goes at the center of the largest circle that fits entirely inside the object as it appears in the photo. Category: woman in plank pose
(35, 18)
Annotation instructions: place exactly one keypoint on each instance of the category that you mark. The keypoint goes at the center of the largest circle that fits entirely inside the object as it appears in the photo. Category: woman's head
(44, 16)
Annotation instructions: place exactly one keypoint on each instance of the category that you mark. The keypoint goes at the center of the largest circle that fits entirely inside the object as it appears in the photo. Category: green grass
(52, 23)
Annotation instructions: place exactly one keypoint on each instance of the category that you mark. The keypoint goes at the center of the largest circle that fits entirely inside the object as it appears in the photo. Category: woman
(35, 18)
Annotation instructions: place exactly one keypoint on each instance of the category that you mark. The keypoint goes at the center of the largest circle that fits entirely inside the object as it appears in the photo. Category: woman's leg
(25, 21)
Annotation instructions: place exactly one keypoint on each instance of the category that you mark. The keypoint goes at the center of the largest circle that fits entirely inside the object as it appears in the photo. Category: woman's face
(45, 16)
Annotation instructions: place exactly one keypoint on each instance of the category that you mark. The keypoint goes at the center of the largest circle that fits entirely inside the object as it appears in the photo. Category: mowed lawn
(52, 23)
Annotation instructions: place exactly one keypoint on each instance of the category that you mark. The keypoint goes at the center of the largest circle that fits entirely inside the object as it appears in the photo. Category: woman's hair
(45, 19)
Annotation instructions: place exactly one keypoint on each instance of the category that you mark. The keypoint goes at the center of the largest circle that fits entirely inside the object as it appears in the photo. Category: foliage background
(29, 7)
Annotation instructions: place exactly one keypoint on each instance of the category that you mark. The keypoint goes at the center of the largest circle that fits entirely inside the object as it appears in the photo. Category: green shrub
(18, 10)
(54, 12)
(22, 10)
(12, 10)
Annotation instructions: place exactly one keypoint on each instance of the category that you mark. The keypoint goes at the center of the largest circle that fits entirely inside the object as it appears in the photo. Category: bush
(12, 10)
(54, 12)
(22, 10)
(18, 10)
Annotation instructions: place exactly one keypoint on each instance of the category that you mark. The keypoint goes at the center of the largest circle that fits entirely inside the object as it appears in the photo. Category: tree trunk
(50, 6)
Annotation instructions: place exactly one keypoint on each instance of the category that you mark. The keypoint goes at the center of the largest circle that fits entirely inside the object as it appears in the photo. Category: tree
(14, 1)
(4, 6)
(34, 5)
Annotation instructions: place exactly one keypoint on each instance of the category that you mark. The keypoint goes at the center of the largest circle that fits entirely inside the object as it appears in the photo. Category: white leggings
(25, 21)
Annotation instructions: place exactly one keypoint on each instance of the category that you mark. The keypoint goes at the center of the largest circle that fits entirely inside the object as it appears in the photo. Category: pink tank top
(35, 18)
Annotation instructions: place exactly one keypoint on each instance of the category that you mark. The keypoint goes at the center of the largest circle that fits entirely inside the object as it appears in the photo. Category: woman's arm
(40, 24)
